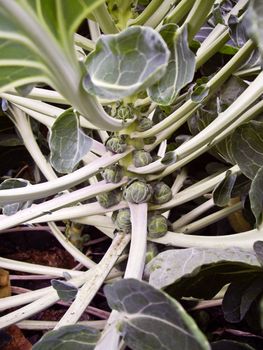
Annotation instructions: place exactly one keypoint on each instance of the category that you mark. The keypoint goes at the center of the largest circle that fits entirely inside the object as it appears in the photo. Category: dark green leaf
(12, 208)
(256, 195)
(222, 192)
(152, 320)
(9, 140)
(68, 143)
(125, 63)
(230, 345)
(169, 158)
(69, 338)
(181, 66)
(240, 295)
(66, 291)
(196, 276)
(247, 147)
(258, 249)
(200, 93)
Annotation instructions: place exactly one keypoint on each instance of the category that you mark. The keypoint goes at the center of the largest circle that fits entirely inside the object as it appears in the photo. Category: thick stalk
(49, 325)
(56, 203)
(146, 14)
(83, 42)
(197, 16)
(110, 337)
(210, 219)
(244, 240)
(103, 18)
(179, 12)
(92, 285)
(65, 182)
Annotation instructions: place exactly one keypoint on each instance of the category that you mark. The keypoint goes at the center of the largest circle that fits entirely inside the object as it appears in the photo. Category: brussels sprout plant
(144, 122)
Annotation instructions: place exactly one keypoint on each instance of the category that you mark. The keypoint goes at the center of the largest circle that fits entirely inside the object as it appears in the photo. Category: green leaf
(255, 20)
(125, 63)
(12, 208)
(258, 249)
(181, 66)
(193, 277)
(222, 192)
(169, 158)
(247, 147)
(69, 338)
(150, 319)
(66, 291)
(26, 26)
(199, 93)
(240, 296)
(68, 143)
(256, 196)
(230, 345)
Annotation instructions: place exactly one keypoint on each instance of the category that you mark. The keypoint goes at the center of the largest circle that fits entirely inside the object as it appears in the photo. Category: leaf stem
(103, 18)
(179, 12)
(91, 286)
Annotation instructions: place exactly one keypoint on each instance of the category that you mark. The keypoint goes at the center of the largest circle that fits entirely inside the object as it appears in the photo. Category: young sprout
(161, 193)
(113, 173)
(137, 191)
(116, 144)
(108, 199)
(157, 225)
(144, 124)
(122, 220)
(141, 158)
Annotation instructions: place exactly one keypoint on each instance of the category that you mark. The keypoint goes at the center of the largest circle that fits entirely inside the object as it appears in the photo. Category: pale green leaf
(222, 192)
(258, 249)
(125, 63)
(12, 208)
(255, 19)
(66, 291)
(68, 143)
(150, 319)
(69, 338)
(247, 147)
(181, 66)
(256, 196)
(167, 267)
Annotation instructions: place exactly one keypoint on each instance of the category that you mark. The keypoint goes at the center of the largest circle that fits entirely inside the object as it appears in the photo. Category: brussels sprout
(137, 191)
(123, 220)
(112, 174)
(161, 193)
(108, 199)
(141, 158)
(116, 144)
(151, 251)
(157, 226)
(144, 124)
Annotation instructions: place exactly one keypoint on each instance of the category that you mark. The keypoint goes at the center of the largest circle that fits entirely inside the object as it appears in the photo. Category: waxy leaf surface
(181, 66)
(68, 143)
(150, 319)
(125, 63)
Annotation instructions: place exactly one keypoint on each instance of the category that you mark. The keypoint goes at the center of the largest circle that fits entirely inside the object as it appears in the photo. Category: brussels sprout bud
(108, 199)
(144, 124)
(116, 144)
(149, 140)
(124, 112)
(123, 220)
(137, 192)
(161, 193)
(157, 226)
(151, 251)
(141, 158)
(112, 174)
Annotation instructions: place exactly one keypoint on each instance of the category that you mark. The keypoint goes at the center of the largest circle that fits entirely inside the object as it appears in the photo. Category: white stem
(210, 219)
(91, 286)
(243, 240)
(78, 212)
(40, 325)
(16, 265)
(64, 182)
(193, 214)
(136, 260)
(56, 203)
(179, 181)
(70, 248)
(195, 190)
